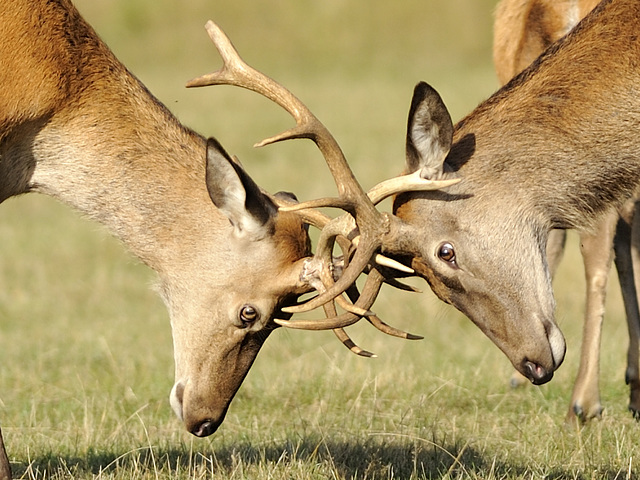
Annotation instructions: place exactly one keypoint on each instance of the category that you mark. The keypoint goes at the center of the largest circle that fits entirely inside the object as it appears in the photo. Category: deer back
(524, 28)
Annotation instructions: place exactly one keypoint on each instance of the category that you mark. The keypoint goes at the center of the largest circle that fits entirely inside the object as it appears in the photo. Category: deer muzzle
(199, 421)
(535, 371)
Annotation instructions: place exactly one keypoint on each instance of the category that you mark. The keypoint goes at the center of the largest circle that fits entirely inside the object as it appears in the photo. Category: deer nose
(536, 373)
(200, 420)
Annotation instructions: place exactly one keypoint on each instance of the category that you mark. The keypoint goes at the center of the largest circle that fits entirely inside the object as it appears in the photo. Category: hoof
(578, 413)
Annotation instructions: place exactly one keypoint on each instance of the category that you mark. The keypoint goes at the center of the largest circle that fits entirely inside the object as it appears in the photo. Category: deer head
(481, 244)
(554, 148)
(218, 336)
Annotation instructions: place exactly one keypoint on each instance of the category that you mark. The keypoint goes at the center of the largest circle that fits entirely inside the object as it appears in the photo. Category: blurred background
(85, 343)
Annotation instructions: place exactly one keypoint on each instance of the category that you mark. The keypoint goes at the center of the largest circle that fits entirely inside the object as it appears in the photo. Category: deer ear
(250, 211)
(429, 133)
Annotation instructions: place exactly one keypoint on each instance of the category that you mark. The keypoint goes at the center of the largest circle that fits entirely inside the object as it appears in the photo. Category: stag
(523, 30)
(555, 148)
(75, 124)
(534, 157)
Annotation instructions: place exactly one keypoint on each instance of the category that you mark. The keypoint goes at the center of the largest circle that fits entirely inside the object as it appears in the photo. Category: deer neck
(75, 124)
(122, 159)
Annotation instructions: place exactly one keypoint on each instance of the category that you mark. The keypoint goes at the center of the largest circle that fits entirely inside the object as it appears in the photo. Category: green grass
(85, 347)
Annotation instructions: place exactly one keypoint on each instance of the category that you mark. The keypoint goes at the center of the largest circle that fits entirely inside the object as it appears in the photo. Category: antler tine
(376, 321)
(341, 321)
(401, 286)
(350, 344)
(365, 300)
(318, 203)
(330, 311)
(404, 183)
(236, 72)
(389, 330)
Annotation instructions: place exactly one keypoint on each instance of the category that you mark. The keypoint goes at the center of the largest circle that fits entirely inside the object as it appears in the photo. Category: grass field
(85, 347)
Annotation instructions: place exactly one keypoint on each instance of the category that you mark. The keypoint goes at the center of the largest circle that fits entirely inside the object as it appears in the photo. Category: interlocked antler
(338, 322)
(363, 224)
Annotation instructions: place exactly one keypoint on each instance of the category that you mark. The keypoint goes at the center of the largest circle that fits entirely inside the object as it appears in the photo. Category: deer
(554, 148)
(181, 204)
(77, 125)
(428, 225)
(522, 31)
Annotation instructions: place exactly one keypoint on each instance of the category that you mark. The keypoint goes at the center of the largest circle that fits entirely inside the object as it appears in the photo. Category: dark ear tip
(420, 87)
(421, 90)
(214, 144)
(287, 196)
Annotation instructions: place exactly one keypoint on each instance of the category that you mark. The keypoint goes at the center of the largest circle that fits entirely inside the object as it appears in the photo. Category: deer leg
(629, 238)
(555, 251)
(597, 254)
(5, 467)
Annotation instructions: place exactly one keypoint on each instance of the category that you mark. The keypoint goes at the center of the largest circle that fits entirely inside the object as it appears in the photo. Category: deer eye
(447, 254)
(248, 315)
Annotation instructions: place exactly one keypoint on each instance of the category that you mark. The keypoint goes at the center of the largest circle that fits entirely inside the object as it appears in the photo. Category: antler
(371, 224)
(338, 322)
(362, 220)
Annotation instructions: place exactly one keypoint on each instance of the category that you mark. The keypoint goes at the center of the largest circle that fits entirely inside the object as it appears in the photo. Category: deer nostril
(205, 428)
(536, 373)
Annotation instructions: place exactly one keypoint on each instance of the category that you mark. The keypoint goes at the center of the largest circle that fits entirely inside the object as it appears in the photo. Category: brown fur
(523, 30)
(77, 125)
(555, 148)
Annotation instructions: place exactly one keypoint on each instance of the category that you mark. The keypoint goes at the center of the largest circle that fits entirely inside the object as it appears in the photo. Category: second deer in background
(523, 30)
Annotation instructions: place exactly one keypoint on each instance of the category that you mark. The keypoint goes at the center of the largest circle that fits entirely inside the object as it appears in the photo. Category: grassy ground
(85, 348)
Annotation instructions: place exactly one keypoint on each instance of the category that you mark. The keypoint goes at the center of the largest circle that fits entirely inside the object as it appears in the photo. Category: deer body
(555, 148)
(525, 28)
(76, 125)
